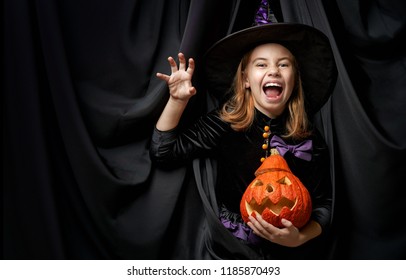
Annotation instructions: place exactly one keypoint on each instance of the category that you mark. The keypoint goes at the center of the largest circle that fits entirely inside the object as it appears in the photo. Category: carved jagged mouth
(266, 203)
(275, 208)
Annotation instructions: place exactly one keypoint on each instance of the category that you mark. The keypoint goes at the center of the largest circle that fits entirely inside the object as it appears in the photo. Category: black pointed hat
(310, 46)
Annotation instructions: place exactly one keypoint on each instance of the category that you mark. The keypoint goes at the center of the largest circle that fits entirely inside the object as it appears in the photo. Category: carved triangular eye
(257, 183)
(285, 181)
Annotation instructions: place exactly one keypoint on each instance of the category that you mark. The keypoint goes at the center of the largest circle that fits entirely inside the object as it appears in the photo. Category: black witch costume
(238, 155)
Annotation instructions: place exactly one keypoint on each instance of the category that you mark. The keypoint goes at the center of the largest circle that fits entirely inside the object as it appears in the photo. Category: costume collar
(277, 125)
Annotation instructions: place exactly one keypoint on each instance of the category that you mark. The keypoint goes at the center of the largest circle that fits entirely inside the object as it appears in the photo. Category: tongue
(272, 92)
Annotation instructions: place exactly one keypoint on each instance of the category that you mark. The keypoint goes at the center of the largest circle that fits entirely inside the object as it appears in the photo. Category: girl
(267, 100)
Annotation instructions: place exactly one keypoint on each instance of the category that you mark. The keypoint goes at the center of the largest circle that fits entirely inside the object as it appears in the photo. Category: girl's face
(270, 75)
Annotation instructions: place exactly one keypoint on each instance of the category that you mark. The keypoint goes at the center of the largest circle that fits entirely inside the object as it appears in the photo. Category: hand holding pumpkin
(277, 206)
(288, 236)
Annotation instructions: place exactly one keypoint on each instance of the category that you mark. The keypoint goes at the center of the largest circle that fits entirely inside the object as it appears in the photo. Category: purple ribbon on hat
(264, 14)
(302, 150)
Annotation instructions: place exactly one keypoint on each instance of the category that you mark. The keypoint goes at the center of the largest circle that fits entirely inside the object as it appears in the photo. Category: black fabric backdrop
(80, 99)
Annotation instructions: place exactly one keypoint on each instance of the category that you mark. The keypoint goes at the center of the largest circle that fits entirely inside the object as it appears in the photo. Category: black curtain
(369, 128)
(80, 100)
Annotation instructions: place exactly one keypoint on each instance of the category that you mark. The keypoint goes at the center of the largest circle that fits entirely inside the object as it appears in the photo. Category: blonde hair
(239, 109)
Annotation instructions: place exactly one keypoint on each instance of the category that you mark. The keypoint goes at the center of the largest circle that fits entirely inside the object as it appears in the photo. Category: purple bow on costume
(302, 150)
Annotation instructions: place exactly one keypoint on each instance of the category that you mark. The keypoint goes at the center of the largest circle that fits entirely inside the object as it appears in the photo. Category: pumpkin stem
(274, 151)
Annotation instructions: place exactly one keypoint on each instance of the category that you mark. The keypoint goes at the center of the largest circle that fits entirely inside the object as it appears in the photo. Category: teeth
(272, 85)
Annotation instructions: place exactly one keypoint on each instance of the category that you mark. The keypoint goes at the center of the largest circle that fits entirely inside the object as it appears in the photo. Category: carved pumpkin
(276, 193)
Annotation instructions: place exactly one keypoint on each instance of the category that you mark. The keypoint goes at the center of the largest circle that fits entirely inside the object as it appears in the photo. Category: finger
(287, 223)
(192, 90)
(182, 61)
(253, 223)
(269, 227)
(289, 226)
(191, 67)
(163, 77)
(172, 63)
(257, 226)
(256, 230)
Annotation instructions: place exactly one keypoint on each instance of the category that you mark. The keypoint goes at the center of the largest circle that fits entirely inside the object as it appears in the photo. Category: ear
(246, 81)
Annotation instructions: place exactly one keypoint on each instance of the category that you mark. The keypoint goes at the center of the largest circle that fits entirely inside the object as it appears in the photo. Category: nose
(273, 71)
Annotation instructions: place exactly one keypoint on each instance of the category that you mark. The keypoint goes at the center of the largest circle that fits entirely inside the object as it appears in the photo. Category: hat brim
(310, 47)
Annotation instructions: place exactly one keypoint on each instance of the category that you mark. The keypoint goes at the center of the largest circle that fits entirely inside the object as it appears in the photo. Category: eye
(284, 181)
(261, 65)
(257, 183)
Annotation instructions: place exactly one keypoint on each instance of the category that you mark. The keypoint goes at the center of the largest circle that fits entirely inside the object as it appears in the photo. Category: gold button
(262, 159)
(264, 146)
(265, 135)
(266, 128)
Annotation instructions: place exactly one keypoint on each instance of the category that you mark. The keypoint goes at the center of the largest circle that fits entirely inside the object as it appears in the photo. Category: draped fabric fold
(363, 122)
(81, 99)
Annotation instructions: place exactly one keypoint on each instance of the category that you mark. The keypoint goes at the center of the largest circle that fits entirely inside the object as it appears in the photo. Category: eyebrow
(279, 59)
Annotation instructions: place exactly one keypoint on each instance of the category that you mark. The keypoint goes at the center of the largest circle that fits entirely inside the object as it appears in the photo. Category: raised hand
(180, 89)
(180, 80)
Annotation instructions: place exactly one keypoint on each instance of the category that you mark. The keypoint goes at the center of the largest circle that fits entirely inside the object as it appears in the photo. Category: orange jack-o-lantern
(276, 193)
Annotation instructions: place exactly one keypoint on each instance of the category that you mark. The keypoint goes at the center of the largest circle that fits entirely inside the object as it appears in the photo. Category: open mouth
(272, 90)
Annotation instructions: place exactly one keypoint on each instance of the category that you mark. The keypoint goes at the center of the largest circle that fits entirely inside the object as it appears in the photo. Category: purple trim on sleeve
(241, 231)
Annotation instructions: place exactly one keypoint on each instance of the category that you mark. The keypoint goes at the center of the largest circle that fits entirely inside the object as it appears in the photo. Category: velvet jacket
(238, 155)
